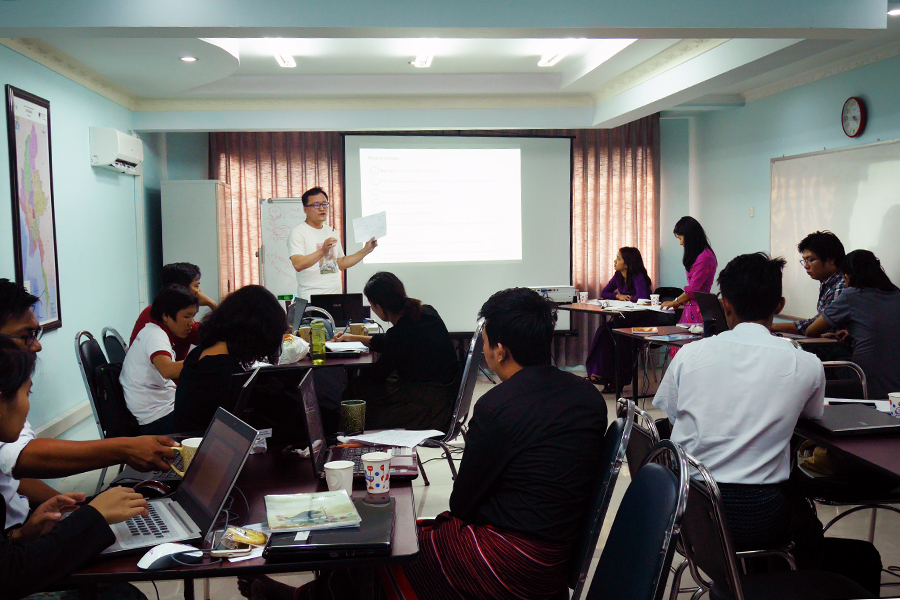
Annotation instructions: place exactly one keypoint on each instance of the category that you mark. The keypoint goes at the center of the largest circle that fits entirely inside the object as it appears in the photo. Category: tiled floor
(435, 498)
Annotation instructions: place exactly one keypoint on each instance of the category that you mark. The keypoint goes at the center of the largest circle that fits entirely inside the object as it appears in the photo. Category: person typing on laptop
(46, 547)
(521, 495)
(734, 400)
(27, 459)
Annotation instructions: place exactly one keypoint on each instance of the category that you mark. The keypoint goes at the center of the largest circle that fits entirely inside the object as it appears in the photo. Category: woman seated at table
(47, 548)
(631, 283)
(414, 382)
(867, 315)
(150, 368)
(248, 326)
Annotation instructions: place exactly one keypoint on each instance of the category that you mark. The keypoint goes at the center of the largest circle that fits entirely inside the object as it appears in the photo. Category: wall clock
(853, 117)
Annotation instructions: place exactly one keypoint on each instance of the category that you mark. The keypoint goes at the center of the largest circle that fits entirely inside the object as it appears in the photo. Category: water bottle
(317, 343)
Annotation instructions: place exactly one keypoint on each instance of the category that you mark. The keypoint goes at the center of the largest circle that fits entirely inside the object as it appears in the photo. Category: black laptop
(855, 420)
(344, 308)
(371, 538)
(711, 308)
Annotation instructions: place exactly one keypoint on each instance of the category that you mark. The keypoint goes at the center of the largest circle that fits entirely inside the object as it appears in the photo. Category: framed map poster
(34, 224)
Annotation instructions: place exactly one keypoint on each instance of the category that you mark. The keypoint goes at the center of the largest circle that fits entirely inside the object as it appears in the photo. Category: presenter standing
(315, 250)
(700, 263)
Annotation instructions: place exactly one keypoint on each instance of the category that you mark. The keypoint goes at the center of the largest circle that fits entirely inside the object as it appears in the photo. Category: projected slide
(444, 205)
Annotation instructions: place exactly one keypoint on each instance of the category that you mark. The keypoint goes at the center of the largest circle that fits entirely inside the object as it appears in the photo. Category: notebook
(403, 462)
(190, 514)
(344, 308)
(371, 538)
(850, 420)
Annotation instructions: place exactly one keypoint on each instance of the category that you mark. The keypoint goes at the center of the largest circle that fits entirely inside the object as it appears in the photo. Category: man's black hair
(752, 284)
(252, 324)
(171, 300)
(824, 245)
(14, 301)
(179, 274)
(16, 367)
(523, 321)
(312, 192)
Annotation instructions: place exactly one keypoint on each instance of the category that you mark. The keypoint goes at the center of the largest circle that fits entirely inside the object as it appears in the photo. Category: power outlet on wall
(751, 212)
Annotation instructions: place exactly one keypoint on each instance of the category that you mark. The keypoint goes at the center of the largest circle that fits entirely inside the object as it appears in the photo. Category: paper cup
(377, 470)
(187, 450)
(339, 475)
(654, 299)
(303, 332)
(353, 416)
(894, 397)
(582, 297)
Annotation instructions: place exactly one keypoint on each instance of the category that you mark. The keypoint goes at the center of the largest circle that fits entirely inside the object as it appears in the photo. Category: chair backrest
(467, 383)
(705, 539)
(643, 437)
(638, 552)
(854, 387)
(668, 293)
(115, 418)
(611, 456)
(114, 344)
(89, 357)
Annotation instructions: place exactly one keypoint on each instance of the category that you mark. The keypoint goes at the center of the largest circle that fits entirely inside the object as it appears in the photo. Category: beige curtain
(615, 198)
(257, 166)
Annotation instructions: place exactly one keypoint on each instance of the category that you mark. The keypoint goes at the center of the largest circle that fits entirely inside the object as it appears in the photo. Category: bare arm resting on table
(45, 457)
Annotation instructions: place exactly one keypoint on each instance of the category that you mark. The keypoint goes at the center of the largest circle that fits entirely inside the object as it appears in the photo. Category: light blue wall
(187, 155)
(95, 227)
(674, 161)
(734, 148)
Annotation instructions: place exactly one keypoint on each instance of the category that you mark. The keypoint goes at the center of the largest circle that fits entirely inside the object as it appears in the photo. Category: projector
(561, 294)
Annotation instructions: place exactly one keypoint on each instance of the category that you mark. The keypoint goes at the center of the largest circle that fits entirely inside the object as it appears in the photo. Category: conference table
(880, 452)
(273, 472)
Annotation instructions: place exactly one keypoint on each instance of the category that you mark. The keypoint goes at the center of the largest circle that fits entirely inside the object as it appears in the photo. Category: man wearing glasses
(315, 250)
(26, 460)
(821, 255)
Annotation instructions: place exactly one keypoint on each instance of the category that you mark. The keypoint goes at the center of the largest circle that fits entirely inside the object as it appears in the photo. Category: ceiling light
(548, 60)
(423, 61)
(895, 12)
(189, 59)
(286, 60)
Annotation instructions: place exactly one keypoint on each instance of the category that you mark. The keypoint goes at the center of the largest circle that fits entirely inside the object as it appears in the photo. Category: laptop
(403, 462)
(711, 308)
(190, 514)
(853, 420)
(269, 398)
(295, 313)
(371, 538)
(344, 308)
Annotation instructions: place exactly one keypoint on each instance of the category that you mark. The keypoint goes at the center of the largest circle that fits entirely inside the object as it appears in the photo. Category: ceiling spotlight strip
(423, 61)
(286, 60)
(189, 59)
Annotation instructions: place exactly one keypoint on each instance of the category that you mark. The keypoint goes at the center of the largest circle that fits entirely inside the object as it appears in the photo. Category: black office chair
(714, 564)
(114, 344)
(638, 552)
(463, 401)
(611, 456)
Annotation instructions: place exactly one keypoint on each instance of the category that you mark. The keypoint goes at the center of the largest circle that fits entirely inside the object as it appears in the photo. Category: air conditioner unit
(111, 149)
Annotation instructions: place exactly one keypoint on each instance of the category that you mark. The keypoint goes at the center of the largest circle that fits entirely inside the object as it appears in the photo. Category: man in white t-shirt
(25, 461)
(315, 250)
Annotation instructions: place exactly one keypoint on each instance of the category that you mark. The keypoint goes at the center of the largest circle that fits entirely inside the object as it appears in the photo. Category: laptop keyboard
(150, 526)
(355, 454)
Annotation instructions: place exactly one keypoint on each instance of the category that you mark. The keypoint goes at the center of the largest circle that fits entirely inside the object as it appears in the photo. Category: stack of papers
(346, 347)
(405, 438)
(305, 512)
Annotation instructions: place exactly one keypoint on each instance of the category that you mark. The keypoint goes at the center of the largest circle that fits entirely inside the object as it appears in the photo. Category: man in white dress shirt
(734, 400)
(315, 250)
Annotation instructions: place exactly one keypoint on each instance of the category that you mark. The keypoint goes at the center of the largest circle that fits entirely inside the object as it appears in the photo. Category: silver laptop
(189, 515)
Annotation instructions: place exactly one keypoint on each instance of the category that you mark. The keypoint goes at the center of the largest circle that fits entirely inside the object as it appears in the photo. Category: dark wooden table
(882, 452)
(271, 473)
(626, 332)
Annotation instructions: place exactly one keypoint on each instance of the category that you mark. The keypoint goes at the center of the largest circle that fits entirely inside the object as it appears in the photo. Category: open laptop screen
(317, 444)
(215, 468)
(345, 308)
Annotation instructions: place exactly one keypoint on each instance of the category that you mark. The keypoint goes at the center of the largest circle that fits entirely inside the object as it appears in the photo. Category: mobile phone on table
(234, 549)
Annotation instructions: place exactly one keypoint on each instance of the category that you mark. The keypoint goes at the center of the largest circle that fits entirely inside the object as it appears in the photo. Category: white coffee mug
(339, 475)
(377, 471)
(894, 397)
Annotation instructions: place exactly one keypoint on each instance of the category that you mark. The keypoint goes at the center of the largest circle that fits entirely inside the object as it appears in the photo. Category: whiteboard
(277, 217)
(853, 192)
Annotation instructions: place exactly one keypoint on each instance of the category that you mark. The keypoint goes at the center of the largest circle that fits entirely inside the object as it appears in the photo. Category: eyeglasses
(29, 338)
(318, 205)
(807, 261)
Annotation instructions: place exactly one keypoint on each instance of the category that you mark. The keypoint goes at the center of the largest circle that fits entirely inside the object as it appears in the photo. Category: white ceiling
(688, 55)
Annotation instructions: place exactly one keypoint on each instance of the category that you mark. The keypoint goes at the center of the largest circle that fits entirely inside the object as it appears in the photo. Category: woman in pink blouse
(699, 262)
